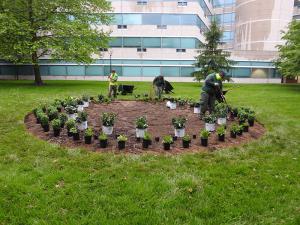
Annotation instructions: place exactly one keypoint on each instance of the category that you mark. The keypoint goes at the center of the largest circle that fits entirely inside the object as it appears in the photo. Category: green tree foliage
(212, 58)
(61, 29)
(288, 62)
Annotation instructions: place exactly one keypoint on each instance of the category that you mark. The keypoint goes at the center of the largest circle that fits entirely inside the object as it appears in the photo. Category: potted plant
(121, 141)
(88, 135)
(103, 140)
(63, 119)
(141, 125)
(167, 141)
(196, 107)
(221, 133)
(240, 130)
(101, 98)
(242, 116)
(245, 127)
(234, 130)
(204, 134)
(38, 113)
(251, 119)
(80, 104)
(172, 103)
(71, 123)
(221, 112)
(75, 133)
(108, 121)
(186, 140)
(235, 111)
(52, 113)
(210, 121)
(44, 122)
(179, 125)
(71, 111)
(146, 140)
(56, 127)
(82, 120)
(70, 101)
(86, 101)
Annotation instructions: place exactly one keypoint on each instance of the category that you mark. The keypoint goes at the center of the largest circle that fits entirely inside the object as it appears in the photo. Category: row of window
(154, 42)
(223, 3)
(226, 18)
(158, 19)
(227, 36)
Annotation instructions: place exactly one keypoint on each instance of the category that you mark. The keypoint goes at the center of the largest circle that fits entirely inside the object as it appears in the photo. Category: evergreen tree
(212, 58)
(288, 62)
(61, 29)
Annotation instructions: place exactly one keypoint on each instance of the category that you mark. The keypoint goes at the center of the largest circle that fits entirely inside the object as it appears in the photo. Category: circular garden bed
(159, 123)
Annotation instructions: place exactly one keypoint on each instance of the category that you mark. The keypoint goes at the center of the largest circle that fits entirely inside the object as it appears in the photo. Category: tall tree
(288, 62)
(212, 58)
(60, 29)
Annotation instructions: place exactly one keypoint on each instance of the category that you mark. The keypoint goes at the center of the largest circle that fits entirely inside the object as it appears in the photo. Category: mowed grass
(258, 183)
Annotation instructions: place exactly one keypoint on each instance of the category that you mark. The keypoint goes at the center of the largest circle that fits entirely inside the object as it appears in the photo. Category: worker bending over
(159, 85)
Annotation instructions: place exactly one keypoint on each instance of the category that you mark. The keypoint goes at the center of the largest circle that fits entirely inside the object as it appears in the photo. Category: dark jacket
(209, 84)
(159, 81)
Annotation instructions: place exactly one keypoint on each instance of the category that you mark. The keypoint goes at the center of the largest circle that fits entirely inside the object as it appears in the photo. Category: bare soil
(159, 119)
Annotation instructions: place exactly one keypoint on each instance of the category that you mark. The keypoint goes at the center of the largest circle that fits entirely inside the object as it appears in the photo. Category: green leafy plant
(70, 101)
(234, 128)
(36, 111)
(141, 123)
(147, 136)
(56, 124)
(74, 130)
(221, 130)
(167, 139)
(63, 118)
(186, 138)
(204, 134)
(85, 98)
(44, 119)
(221, 110)
(242, 115)
(79, 101)
(179, 122)
(71, 123)
(251, 116)
(88, 132)
(82, 117)
(71, 109)
(211, 118)
(122, 137)
(102, 137)
(52, 112)
(101, 98)
(108, 119)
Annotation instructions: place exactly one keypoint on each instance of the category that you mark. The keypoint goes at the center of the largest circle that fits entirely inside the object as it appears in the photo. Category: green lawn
(258, 183)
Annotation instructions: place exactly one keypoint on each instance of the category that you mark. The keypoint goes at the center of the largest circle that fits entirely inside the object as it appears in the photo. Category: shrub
(122, 137)
(52, 112)
(37, 111)
(251, 116)
(79, 101)
(204, 134)
(242, 115)
(89, 132)
(70, 124)
(234, 128)
(211, 118)
(85, 98)
(167, 139)
(56, 124)
(179, 122)
(71, 109)
(101, 98)
(70, 101)
(102, 137)
(141, 122)
(63, 118)
(82, 117)
(108, 119)
(74, 130)
(44, 119)
(221, 130)
(186, 138)
(221, 110)
(147, 136)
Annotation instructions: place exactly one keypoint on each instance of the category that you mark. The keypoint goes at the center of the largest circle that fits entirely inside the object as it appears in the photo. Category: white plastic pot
(168, 104)
(140, 133)
(179, 132)
(221, 121)
(72, 116)
(83, 125)
(197, 110)
(210, 127)
(86, 104)
(172, 105)
(80, 108)
(107, 130)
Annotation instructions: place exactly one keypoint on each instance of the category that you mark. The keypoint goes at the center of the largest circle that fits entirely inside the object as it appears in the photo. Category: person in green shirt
(212, 86)
(113, 84)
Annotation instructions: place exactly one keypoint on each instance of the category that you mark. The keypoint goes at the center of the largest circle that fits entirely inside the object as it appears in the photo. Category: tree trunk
(36, 68)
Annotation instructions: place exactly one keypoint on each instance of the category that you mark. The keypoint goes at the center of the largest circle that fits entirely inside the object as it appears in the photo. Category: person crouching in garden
(212, 86)
(159, 85)
(113, 78)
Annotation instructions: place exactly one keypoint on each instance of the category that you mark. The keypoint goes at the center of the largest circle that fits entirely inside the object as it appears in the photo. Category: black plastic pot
(145, 143)
(138, 139)
(76, 137)
(194, 136)
(167, 146)
(38, 121)
(240, 133)
(95, 136)
(46, 128)
(150, 142)
(157, 139)
(221, 137)
(185, 144)
(103, 143)
(56, 133)
(88, 140)
(246, 128)
(121, 145)
(62, 125)
(241, 122)
(204, 142)
(251, 123)
(174, 138)
(232, 134)
(69, 133)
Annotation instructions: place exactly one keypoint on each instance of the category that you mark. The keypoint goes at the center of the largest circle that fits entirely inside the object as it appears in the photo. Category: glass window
(58, 70)
(131, 71)
(151, 42)
(132, 42)
(94, 70)
(116, 42)
(170, 19)
(151, 71)
(132, 62)
(188, 19)
(25, 70)
(171, 42)
(118, 19)
(75, 70)
(170, 71)
(187, 71)
(241, 72)
(44, 70)
(132, 19)
(8, 70)
(152, 62)
(188, 43)
(151, 19)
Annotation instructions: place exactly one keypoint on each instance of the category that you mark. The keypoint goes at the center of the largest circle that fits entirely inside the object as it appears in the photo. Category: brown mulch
(159, 119)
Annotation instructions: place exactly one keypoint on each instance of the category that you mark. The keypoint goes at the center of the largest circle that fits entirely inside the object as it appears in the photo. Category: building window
(180, 50)
(182, 3)
(122, 26)
(103, 49)
(141, 50)
(132, 42)
(141, 2)
(161, 26)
